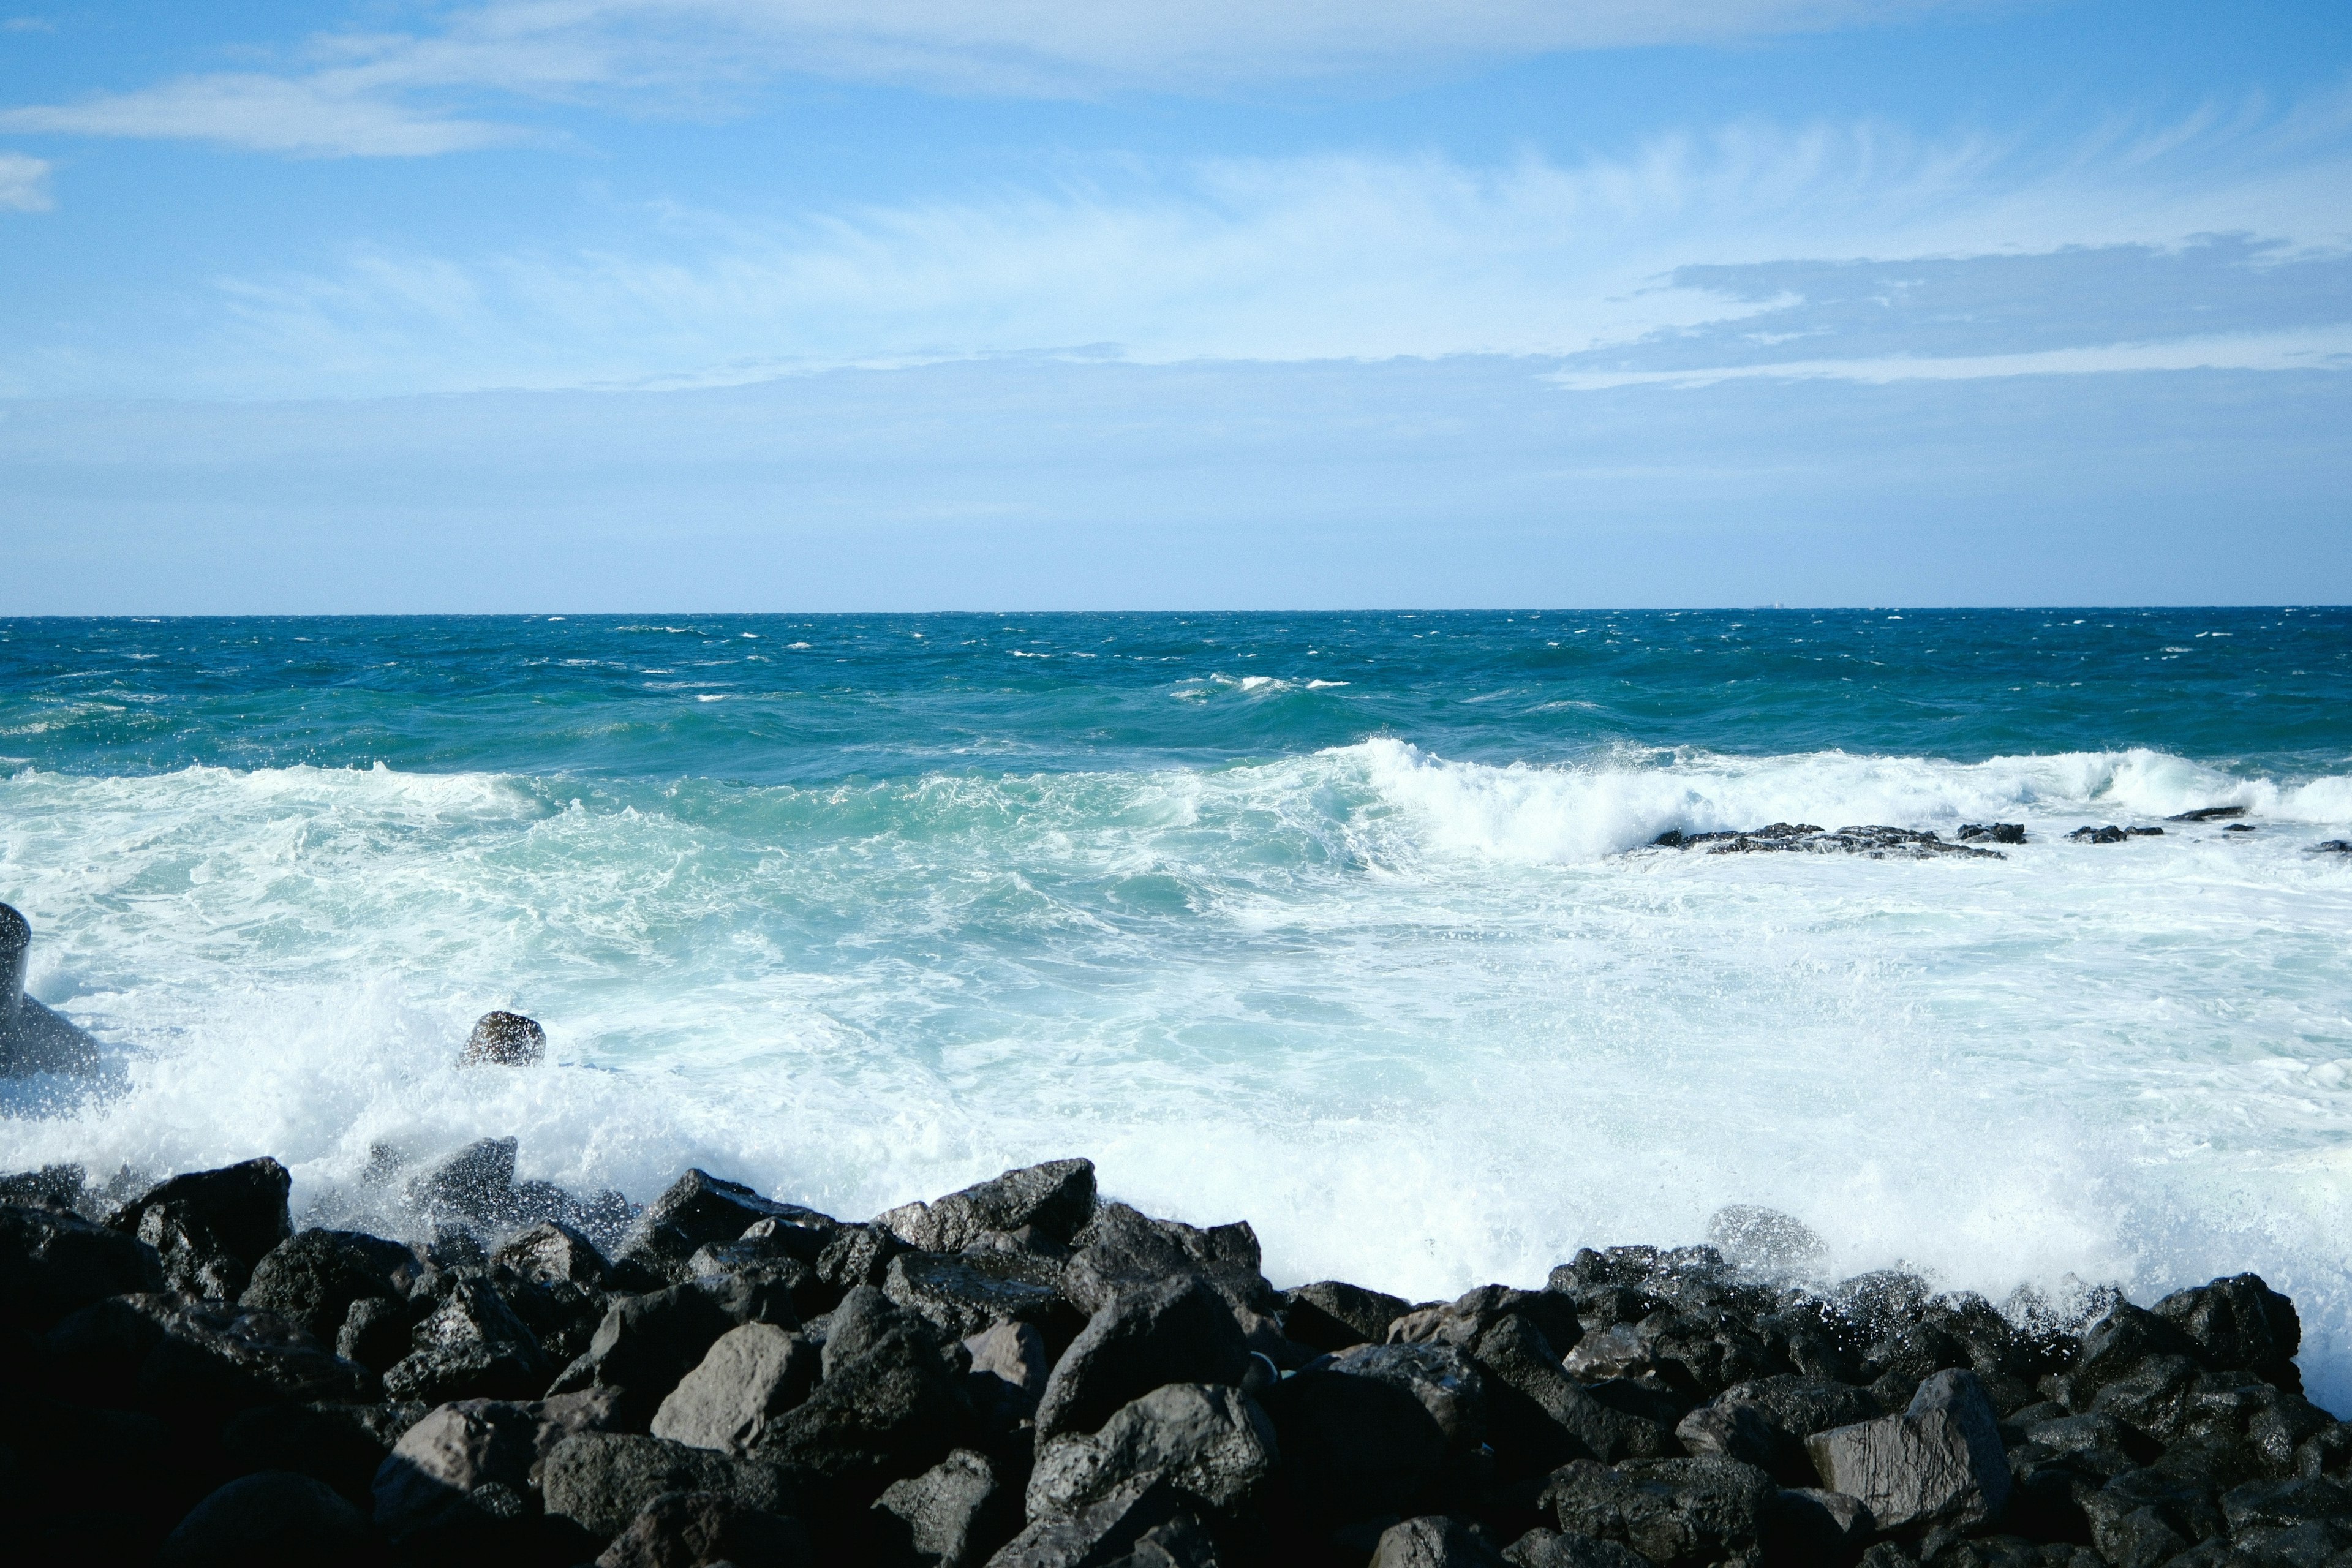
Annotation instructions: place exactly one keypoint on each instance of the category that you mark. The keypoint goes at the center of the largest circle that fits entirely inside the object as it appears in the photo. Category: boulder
(1331, 1315)
(1175, 1331)
(1765, 1244)
(33, 1038)
(1992, 832)
(699, 1210)
(1121, 1250)
(891, 1410)
(201, 1358)
(211, 1227)
(551, 1251)
(2240, 1323)
(1464, 1319)
(963, 1293)
(1678, 1514)
(2115, 1345)
(504, 1039)
(2110, 834)
(802, 1234)
(1379, 1429)
(702, 1530)
(471, 1346)
(858, 1255)
(1541, 1548)
(1140, 1527)
(866, 1317)
(1806, 1524)
(750, 1376)
(1211, 1444)
(1744, 1433)
(1435, 1540)
(953, 1515)
(1938, 1463)
(341, 1445)
(376, 1330)
(2146, 1517)
(475, 1184)
(1009, 1368)
(312, 1279)
(277, 1517)
(52, 1263)
(439, 1463)
(1049, 1202)
(643, 1346)
(1540, 1417)
(602, 1480)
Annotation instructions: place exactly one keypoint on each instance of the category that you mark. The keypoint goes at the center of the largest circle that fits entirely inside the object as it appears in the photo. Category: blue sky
(802, 304)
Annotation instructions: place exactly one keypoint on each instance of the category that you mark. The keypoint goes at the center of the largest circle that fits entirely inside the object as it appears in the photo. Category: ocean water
(1345, 924)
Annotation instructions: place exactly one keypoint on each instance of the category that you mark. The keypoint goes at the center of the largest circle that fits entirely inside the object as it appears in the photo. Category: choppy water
(1334, 922)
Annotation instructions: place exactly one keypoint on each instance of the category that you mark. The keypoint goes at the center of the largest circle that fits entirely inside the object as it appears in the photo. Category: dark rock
(1009, 1368)
(963, 1293)
(275, 1517)
(340, 1445)
(1121, 1250)
(2333, 846)
(703, 1530)
(953, 1515)
(2110, 834)
(1549, 1549)
(1540, 1417)
(1801, 1406)
(204, 1357)
(1464, 1319)
(2209, 814)
(51, 1187)
(472, 1346)
(602, 1480)
(1876, 841)
(476, 1184)
(1433, 1541)
(32, 1038)
(1116, 1530)
(645, 1345)
(865, 1318)
(1330, 1315)
(2283, 1504)
(1806, 1525)
(858, 1255)
(210, 1227)
(2147, 1517)
(427, 1479)
(376, 1331)
(1766, 1244)
(749, 1377)
(1051, 1201)
(52, 1263)
(699, 1210)
(2116, 1343)
(1211, 1444)
(1742, 1432)
(2240, 1323)
(771, 1291)
(312, 1279)
(802, 1236)
(1993, 832)
(1938, 1463)
(504, 1039)
(1175, 1331)
(889, 1408)
(1678, 1514)
(2158, 832)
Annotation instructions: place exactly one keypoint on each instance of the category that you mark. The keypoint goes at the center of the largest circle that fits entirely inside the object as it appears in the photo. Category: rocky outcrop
(1875, 842)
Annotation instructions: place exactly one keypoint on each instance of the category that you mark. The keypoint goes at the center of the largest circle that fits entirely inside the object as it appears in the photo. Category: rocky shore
(1025, 1374)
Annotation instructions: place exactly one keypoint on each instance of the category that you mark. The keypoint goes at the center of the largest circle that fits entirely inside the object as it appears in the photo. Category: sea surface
(1346, 925)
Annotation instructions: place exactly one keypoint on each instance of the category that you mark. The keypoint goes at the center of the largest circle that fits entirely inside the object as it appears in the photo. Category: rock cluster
(1024, 1375)
(1878, 842)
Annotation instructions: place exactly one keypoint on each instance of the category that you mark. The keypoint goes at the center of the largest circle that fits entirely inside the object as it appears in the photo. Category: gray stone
(2240, 1323)
(275, 1517)
(471, 1346)
(699, 1210)
(705, 1529)
(170, 1353)
(602, 1480)
(211, 1227)
(1542, 1417)
(891, 1411)
(645, 1345)
(1678, 1514)
(33, 1039)
(954, 1514)
(750, 1376)
(551, 1251)
(1050, 1201)
(1178, 1330)
(1331, 1315)
(1110, 1532)
(1009, 1368)
(504, 1039)
(1213, 1444)
(312, 1279)
(1433, 1541)
(962, 1293)
(1550, 1549)
(452, 1453)
(1938, 1463)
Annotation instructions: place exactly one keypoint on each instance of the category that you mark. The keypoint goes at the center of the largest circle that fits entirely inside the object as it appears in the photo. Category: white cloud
(2319, 347)
(24, 183)
(372, 95)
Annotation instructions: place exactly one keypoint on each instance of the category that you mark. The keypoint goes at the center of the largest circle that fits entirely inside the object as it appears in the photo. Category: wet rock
(211, 1227)
(704, 1529)
(377, 1330)
(1049, 1202)
(965, 1293)
(1875, 841)
(1678, 1514)
(168, 1354)
(277, 1517)
(1121, 1250)
(1741, 1431)
(1539, 1416)
(1330, 1315)
(2122, 1340)
(699, 1210)
(475, 1184)
(2333, 846)
(33, 1038)
(1127, 1526)
(1993, 832)
(52, 1263)
(2110, 834)
(1766, 1244)
(953, 1515)
(1806, 1524)
(504, 1039)
(2233, 827)
(1938, 1463)
(644, 1347)
(52, 1186)
(1542, 1547)
(858, 1255)
(1463, 1320)
(889, 1406)
(1009, 1368)
(1435, 1540)
(1211, 1444)
(471, 1346)
(2145, 1517)
(1175, 1331)
(602, 1480)
(749, 1378)
(312, 1279)
(340, 1445)
(2240, 1322)
(2209, 814)
(865, 1318)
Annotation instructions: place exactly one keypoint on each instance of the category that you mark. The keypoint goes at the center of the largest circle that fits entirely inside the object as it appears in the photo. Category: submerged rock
(1993, 832)
(504, 1039)
(1875, 842)
(32, 1037)
(2209, 814)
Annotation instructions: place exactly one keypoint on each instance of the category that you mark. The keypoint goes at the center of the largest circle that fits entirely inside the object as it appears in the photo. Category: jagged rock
(551, 1251)
(1123, 1529)
(277, 1517)
(1876, 841)
(699, 1210)
(1121, 1249)
(864, 1320)
(888, 1406)
(2240, 1323)
(1009, 1368)
(1766, 1244)
(1541, 1548)
(33, 1039)
(2209, 814)
(954, 1514)
(1435, 1540)
(1540, 1416)
(168, 1354)
(2110, 834)
(963, 1293)
(1213, 1444)
(52, 1263)
(1806, 1524)
(1993, 832)
(476, 1184)
(802, 1234)
(704, 1529)
(1049, 1202)
(449, 1455)
(52, 1186)
(2146, 1517)
(1742, 1432)
(504, 1039)
(1331, 1315)
(2115, 1344)
(858, 1255)
(1678, 1514)
(210, 1227)
(1939, 1462)
(1464, 1319)
(643, 1346)
(340, 1445)
(472, 1346)
(1380, 1429)
(1801, 1406)
(312, 1279)
(377, 1332)
(602, 1480)
(1176, 1330)
(2333, 846)
(750, 1376)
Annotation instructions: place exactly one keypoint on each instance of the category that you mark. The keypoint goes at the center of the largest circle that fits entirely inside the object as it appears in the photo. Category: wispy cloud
(27, 25)
(385, 94)
(24, 183)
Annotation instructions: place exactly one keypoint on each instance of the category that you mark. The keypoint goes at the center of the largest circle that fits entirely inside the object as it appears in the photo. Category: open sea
(1345, 924)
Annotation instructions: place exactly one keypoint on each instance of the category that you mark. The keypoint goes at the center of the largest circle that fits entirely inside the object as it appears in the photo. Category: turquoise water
(1341, 923)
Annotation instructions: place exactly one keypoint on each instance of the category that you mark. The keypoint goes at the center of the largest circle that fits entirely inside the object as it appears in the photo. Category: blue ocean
(1352, 925)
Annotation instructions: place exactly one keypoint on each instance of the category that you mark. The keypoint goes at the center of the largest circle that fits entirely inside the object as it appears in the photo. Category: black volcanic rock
(211, 1227)
(52, 1262)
